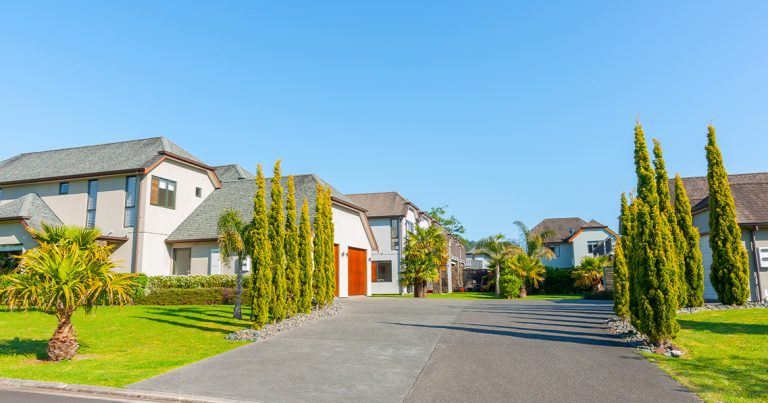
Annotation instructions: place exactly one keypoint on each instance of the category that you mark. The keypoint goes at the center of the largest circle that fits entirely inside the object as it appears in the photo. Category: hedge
(198, 281)
(191, 296)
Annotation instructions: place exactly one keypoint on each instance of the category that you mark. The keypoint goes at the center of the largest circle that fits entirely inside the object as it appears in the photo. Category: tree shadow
(201, 319)
(24, 347)
(555, 331)
(614, 342)
(186, 325)
(724, 328)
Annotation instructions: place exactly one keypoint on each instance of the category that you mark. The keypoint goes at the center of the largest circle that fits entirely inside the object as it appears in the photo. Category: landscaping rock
(722, 307)
(631, 336)
(272, 329)
(676, 353)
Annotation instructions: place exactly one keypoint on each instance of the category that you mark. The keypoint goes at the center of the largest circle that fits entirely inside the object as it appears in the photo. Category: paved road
(394, 350)
(12, 396)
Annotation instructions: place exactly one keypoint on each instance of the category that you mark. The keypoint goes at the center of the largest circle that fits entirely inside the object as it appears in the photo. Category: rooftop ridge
(95, 145)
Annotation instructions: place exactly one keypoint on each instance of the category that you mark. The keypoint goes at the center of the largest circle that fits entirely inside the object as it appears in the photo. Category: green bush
(191, 296)
(189, 282)
(600, 295)
(559, 281)
(140, 285)
(509, 286)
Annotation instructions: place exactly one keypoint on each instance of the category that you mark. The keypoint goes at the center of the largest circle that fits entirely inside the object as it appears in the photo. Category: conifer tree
(621, 282)
(319, 276)
(668, 213)
(292, 267)
(262, 255)
(330, 256)
(305, 260)
(277, 241)
(729, 272)
(694, 269)
(653, 264)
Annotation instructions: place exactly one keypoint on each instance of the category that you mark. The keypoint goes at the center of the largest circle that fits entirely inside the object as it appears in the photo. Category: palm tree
(234, 238)
(528, 268)
(425, 253)
(67, 271)
(534, 242)
(500, 250)
(590, 272)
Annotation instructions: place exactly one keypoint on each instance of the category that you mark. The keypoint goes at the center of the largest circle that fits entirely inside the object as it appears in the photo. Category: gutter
(756, 252)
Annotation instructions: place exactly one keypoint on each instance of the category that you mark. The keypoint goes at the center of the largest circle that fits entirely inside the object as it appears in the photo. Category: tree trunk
(498, 279)
(63, 344)
(238, 314)
(523, 292)
(418, 290)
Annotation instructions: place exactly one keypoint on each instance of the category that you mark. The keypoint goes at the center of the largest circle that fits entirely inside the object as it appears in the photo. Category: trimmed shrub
(559, 281)
(509, 286)
(190, 296)
(202, 281)
(140, 285)
(599, 295)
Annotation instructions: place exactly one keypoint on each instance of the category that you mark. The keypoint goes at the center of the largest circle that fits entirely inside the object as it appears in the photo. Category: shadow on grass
(189, 325)
(24, 347)
(744, 380)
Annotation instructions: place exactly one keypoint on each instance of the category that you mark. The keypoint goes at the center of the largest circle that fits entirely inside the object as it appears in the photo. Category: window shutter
(154, 195)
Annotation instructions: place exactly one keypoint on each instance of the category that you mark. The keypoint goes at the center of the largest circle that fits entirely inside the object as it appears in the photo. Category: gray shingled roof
(32, 209)
(232, 172)
(562, 227)
(122, 156)
(238, 195)
(697, 189)
(384, 204)
(751, 202)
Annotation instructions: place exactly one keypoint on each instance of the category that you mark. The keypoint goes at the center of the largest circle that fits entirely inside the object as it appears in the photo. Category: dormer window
(571, 230)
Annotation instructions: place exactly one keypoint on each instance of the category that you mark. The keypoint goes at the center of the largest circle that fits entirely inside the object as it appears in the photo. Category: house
(157, 204)
(476, 268)
(392, 217)
(574, 239)
(750, 193)
(136, 192)
(194, 249)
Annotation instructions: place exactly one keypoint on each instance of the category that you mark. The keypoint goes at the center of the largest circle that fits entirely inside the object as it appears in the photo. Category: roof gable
(30, 208)
(750, 194)
(383, 204)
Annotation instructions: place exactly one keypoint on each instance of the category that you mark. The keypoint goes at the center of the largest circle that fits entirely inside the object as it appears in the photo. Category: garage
(356, 266)
(706, 260)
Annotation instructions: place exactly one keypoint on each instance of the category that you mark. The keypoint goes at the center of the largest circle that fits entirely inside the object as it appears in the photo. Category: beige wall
(13, 233)
(156, 222)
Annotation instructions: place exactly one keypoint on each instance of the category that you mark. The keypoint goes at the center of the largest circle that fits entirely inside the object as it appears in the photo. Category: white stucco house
(750, 193)
(574, 239)
(158, 204)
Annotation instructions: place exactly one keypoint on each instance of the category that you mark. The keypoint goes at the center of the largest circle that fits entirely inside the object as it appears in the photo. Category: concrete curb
(103, 391)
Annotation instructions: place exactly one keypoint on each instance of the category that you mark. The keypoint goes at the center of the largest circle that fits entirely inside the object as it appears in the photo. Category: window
(130, 202)
(64, 188)
(163, 193)
(592, 246)
(555, 250)
(93, 191)
(182, 261)
(394, 229)
(199, 192)
(381, 272)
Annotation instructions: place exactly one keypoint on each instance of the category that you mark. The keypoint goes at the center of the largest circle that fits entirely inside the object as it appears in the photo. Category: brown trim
(171, 242)
(211, 171)
(348, 204)
(78, 176)
(113, 239)
(575, 234)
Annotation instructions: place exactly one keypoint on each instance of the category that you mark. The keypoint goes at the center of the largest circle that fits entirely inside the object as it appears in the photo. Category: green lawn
(477, 295)
(118, 346)
(727, 355)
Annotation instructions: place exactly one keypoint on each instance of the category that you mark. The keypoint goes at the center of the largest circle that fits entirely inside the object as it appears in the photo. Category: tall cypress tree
(262, 255)
(292, 267)
(694, 269)
(277, 241)
(305, 260)
(668, 216)
(653, 264)
(318, 250)
(729, 272)
(620, 269)
(330, 255)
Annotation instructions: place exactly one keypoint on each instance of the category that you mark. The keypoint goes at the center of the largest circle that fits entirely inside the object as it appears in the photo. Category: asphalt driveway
(394, 350)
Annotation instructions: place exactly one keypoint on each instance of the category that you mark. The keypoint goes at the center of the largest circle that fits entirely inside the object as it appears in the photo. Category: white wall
(349, 231)
(579, 243)
(564, 260)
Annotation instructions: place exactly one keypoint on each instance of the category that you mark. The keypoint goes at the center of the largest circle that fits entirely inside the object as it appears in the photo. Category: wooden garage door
(357, 266)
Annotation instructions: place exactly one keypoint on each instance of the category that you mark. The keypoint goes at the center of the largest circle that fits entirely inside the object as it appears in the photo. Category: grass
(478, 295)
(727, 355)
(118, 346)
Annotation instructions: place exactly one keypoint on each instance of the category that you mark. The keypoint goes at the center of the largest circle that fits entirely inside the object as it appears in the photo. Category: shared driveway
(394, 350)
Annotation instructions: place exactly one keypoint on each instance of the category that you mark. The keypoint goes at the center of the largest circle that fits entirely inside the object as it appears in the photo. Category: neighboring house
(476, 268)
(392, 217)
(574, 239)
(136, 192)
(194, 248)
(158, 205)
(750, 192)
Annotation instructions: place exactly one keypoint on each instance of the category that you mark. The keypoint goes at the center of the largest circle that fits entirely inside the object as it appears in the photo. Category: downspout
(134, 264)
(756, 252)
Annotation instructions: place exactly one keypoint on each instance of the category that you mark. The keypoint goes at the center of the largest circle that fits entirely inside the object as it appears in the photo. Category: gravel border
(272, 329)
(716, 306)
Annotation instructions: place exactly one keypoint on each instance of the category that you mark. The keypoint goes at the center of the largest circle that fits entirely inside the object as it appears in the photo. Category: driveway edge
(23, 385)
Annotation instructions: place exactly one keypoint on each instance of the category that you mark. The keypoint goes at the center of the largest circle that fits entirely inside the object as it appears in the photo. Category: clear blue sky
(503, 111)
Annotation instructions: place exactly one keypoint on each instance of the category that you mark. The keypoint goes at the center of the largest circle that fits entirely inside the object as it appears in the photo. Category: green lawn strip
(118, 346)
(727, 355)
(478, 295)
